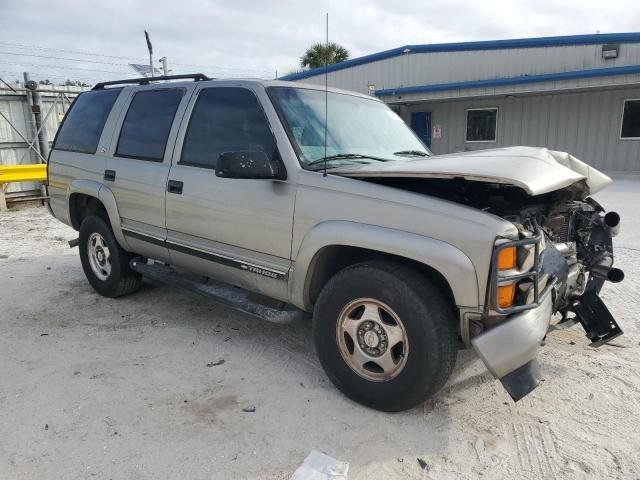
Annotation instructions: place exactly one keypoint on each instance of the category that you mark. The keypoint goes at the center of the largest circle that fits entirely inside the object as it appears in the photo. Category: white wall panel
(585, 124)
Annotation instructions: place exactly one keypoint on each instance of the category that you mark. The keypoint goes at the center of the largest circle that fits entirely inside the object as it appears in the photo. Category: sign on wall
(437, 131)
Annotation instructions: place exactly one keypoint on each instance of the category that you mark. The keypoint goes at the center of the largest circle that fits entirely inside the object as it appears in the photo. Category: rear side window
(225, 120)
(146, 127)
(83, 125)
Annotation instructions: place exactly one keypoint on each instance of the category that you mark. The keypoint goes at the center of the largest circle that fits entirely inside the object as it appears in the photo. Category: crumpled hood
(536, 170)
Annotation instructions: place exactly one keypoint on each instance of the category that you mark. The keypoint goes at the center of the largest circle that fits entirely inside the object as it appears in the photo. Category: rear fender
(105, 195)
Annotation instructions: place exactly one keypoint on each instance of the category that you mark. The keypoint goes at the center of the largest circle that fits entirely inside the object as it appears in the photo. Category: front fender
(449, 261)
(105, 195)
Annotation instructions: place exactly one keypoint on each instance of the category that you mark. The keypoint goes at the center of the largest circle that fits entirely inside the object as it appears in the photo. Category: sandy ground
(98, 388)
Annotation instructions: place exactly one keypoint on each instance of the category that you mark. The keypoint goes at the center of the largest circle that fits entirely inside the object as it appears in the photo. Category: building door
(421, 124)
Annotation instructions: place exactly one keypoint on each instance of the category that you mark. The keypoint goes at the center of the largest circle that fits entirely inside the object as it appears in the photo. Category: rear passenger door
(235, 230)
(139, 164)
(75, 151)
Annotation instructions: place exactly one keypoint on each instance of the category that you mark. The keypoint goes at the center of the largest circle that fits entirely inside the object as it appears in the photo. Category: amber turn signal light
(506, 294)
(507, 258)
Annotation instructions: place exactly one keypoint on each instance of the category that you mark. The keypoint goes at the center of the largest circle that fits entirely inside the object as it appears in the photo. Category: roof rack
(197, 77)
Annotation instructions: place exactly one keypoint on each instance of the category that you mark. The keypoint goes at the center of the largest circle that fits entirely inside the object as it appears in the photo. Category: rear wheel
(105, 263)
(385, 335)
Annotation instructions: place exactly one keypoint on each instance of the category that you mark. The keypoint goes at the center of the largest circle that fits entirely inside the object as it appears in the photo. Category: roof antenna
(326, 93)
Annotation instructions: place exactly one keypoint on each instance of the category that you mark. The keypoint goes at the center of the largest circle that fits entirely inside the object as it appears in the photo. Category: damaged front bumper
(509, 350)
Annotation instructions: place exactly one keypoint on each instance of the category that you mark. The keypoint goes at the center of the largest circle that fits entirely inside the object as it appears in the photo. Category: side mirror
(247, 164)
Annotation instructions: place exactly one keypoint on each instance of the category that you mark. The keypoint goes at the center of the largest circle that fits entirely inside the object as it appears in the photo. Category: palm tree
(317, 53)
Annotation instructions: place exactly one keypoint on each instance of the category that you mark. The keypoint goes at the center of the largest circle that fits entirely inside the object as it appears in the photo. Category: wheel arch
(87, 197)
(331, 246)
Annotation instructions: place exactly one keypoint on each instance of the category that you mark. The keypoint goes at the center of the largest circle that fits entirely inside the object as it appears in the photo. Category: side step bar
(242, 300)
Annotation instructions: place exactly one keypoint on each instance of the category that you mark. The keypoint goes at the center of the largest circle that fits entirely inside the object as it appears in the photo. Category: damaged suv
(245, 190)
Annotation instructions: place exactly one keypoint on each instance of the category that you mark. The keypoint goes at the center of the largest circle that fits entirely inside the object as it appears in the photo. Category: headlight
(506, 294)
(516, 266)
(507, 258)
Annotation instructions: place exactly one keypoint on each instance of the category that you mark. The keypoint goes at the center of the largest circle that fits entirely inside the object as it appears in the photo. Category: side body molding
(451, 262)
(105, 195)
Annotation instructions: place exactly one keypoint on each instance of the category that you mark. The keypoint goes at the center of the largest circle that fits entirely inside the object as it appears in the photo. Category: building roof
(629, 37)
(521, 79)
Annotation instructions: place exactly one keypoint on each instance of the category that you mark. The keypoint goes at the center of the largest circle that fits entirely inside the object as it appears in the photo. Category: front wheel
(385, 335)
(105, 263)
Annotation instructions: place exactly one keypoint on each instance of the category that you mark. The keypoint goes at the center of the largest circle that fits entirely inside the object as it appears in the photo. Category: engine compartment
(577, 232)
(496, 198)
(565, 216)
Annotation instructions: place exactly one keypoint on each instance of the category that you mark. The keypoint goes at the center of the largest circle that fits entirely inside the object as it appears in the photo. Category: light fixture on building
(610, 50)
(372, 89)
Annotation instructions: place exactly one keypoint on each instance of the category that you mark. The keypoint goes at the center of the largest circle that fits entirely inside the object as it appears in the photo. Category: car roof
(238, 82)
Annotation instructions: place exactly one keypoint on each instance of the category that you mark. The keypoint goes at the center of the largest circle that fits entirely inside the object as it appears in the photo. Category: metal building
(21, 140)
(577, 93)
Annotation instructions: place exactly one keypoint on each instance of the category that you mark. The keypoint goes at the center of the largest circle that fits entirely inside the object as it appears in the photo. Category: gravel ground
(134, 388)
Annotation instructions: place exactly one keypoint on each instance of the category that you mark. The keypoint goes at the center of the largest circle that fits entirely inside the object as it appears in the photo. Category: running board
(247, 302)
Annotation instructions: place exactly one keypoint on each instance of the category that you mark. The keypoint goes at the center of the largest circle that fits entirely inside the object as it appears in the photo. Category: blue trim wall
(591, 39)
(497, 82)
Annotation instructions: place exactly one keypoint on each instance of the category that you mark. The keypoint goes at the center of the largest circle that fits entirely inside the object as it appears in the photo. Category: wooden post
(3, 200)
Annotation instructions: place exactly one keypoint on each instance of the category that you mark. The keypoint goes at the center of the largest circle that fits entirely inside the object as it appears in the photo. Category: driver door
(234, 230)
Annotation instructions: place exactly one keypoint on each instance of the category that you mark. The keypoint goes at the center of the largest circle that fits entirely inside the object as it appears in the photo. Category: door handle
(110, 175)
(174, 186)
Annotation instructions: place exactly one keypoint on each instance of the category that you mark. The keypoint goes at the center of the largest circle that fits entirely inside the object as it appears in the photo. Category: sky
(94, 41)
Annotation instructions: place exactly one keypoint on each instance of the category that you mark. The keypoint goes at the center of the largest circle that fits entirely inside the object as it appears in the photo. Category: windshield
(359, 130)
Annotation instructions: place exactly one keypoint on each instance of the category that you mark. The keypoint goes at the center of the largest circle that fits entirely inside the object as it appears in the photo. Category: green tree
(76, 83)
(318, 53)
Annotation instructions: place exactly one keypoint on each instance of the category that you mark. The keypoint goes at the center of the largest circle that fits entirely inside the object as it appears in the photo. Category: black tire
(121, 280)
(427, 316)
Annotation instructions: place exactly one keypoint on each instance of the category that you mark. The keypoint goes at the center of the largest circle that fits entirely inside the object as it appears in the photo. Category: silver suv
(289, 198)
